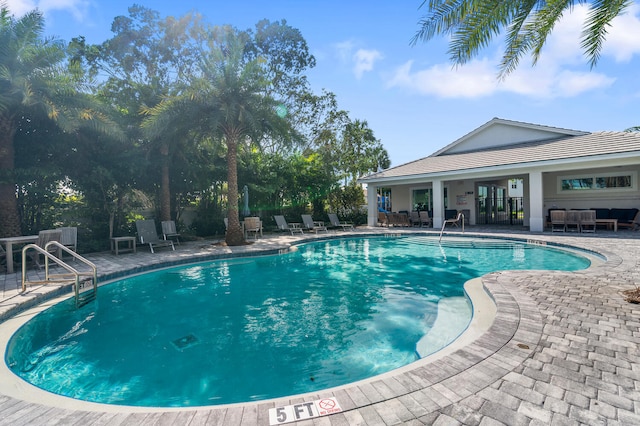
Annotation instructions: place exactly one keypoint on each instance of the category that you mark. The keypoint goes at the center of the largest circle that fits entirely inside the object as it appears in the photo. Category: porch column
(438, 203)
(372, 205)
(536, 202)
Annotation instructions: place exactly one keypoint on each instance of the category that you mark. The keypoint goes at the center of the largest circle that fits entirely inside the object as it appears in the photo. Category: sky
(411, 96)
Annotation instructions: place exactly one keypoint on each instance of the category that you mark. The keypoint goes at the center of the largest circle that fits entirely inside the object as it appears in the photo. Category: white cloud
(476, 79)
(20, 7)
(344, 50)
(364, 60)
(361, 60)
(561, 71)
(77, 8)
(623, 39)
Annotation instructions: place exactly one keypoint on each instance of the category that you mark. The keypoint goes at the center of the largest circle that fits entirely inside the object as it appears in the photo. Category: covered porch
(493, 181)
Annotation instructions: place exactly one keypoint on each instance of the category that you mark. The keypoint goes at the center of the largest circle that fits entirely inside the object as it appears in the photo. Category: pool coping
(511, 338)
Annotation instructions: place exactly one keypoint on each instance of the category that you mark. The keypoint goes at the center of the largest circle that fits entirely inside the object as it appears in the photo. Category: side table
(115, 244)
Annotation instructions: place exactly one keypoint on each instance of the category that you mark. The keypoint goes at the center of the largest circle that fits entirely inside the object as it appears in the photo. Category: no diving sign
(303, 411)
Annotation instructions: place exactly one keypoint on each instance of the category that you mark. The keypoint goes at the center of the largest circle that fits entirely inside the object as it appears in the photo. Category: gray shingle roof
(570, 147)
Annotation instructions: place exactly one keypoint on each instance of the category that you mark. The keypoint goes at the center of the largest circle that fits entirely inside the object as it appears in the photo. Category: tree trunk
(235, 236)
(165, 189)
(9, 218)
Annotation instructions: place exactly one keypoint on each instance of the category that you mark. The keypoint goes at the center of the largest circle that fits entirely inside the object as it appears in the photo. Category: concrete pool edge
(452, 379)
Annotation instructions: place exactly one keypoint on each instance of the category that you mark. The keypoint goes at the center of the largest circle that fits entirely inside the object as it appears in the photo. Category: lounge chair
(459, 219)
(169, 231)
(425, 220)
(455, 221)
(148, 235)
(282, 224)
(311, 225)
(252, 224)
(335, 222)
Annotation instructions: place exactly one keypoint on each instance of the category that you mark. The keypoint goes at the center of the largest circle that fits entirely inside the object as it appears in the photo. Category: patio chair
(335, 222)
(383, 220)
(252, 224)
(3, 258)
(414, 218)
(398, 219)
(148, 235)
(69, 237)
(635, 224)
(572, 220)
(282, 225)
(44, 237)
(588, 221)
(557, 220)
(169, 231)
(425, 220)
(453, 221)
(311, 225)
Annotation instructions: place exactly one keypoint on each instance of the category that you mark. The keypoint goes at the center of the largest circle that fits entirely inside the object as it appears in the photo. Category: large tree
(34, 82)
(147, 58)
(227, 100)
(473, 24)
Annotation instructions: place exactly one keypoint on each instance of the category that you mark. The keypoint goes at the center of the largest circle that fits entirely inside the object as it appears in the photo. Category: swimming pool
(330, 313)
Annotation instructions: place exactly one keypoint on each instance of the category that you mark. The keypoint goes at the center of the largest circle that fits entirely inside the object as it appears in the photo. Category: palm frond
(601, 13)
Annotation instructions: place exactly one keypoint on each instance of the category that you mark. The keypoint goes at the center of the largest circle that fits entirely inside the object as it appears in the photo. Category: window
(423, 199)
(574, 184)
(599, 182)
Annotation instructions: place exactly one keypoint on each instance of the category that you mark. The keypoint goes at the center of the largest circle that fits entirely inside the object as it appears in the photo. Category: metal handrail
(72, 272)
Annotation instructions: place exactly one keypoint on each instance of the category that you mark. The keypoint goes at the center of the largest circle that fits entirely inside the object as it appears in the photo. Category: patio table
(609, 223)
(8, 246)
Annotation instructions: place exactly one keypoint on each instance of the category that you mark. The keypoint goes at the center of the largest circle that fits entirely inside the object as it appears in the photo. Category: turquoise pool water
(248, 329)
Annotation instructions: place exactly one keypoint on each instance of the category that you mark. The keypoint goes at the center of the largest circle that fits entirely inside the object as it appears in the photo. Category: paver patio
(563, 349)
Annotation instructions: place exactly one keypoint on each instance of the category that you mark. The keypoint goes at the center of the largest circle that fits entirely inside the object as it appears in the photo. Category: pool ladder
(85, 283)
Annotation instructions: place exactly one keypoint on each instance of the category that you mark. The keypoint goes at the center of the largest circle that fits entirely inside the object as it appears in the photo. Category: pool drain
(185, 342)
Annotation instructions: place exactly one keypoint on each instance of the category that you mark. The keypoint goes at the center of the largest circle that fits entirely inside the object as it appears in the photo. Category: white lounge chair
(148, 235)
(459, 219)
(335, 222)
(311, 225)
(283, 225)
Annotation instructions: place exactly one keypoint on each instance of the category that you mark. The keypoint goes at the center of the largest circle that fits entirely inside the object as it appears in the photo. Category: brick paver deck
(563, 350)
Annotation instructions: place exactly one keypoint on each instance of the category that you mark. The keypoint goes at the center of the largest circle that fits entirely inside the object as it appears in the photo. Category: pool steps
(79, 279)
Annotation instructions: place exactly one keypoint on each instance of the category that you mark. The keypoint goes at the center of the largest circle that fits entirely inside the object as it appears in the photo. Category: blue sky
(411, 96)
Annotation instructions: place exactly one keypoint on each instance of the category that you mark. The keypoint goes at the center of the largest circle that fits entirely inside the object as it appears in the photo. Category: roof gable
(499, 132)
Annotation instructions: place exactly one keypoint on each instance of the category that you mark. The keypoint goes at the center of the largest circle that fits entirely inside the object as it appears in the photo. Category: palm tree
(228, 100)
(472, 25)
(34, 83)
